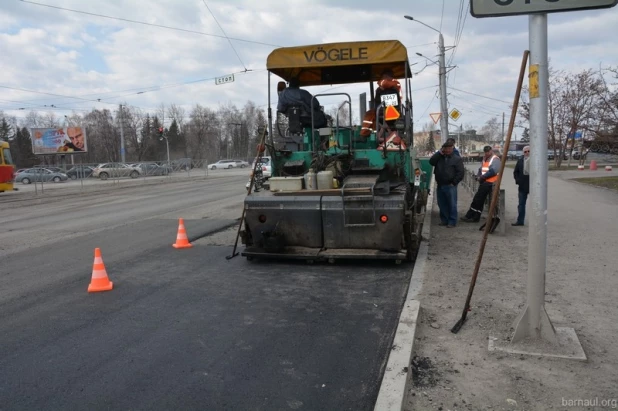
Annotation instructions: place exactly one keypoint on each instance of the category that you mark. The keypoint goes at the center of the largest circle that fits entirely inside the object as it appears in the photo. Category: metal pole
(459, 140)
(443, 105)
(167, 143)
(122, 156)
(505, 149)
(533, 321)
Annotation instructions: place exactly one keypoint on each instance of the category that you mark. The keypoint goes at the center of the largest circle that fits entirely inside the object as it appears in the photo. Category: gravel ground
(456, 371)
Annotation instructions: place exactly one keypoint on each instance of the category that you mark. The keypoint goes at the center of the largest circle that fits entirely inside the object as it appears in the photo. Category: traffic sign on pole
(435, 117)
(455, 114)
(498, 8)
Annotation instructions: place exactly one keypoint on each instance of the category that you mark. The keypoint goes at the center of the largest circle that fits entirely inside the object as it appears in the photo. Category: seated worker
(487, 175)
(295, 96)
(387, 86)
(280, 87)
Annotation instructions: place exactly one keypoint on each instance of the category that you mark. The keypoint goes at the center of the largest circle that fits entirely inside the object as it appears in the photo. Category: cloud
(93, 57)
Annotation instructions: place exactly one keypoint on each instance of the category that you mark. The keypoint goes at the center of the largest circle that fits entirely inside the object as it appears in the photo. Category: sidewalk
(456, 371)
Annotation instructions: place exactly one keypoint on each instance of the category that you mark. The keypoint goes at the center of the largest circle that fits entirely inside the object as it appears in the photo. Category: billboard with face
(58, 140)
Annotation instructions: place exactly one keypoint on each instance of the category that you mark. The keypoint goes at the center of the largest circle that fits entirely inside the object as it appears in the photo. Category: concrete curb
(392, 392)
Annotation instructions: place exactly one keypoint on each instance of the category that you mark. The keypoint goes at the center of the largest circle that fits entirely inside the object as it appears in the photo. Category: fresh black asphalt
(188, 329)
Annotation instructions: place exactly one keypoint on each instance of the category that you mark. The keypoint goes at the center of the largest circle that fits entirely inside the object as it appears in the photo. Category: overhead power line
(50, 94)
(223, 31)
(148, 24)
(478, 95)
(102, 100)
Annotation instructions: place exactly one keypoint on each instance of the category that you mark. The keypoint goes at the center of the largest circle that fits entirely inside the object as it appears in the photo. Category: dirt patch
(605, 182)
(458, 372)
(424, 373)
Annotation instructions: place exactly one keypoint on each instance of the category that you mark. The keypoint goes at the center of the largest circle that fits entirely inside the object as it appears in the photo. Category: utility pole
(503, 148)
(442, 77)
(443, 105)
(122, 156)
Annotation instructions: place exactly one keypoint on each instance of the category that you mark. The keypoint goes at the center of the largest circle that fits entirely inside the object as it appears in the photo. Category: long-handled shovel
(494, 197)
(258, 157)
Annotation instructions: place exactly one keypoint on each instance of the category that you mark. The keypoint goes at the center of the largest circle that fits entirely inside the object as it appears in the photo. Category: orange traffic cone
(100, 281)
(181, 238)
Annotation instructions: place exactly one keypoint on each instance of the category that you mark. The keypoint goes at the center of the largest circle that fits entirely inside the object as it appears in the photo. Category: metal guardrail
(471, 184)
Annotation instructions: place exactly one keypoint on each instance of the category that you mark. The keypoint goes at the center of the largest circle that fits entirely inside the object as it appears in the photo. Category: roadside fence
(96, 176)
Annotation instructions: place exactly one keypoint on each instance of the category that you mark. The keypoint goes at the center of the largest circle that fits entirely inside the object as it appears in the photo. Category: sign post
(533, 324)
(534, 321)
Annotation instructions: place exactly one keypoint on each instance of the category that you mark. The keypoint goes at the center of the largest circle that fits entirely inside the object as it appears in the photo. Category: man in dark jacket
(522, 179)
(296, 96)
(449, 171)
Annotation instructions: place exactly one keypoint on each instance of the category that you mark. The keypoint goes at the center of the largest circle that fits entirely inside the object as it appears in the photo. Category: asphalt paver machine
(371, 190)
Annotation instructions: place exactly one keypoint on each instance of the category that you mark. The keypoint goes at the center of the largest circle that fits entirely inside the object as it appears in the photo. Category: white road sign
(225, 79)
(497, 8)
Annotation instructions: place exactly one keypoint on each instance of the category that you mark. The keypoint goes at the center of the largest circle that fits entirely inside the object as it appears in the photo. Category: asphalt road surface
(182, 329)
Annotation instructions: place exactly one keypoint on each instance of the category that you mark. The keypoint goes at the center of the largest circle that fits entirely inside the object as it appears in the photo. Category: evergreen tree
(525, 136)
(21, 149)
(431, 144)
(6, 130)
(174, 137)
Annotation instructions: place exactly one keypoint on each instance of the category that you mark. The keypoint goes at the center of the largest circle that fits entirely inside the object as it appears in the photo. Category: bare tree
(203, 134)
(573, 100)
(33, 119)
(103, 136)
(139, 145)
(50, 120)
(607, 113)
(491, 130)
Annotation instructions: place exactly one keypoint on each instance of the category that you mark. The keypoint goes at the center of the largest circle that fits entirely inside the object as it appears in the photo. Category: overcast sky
(87, 57)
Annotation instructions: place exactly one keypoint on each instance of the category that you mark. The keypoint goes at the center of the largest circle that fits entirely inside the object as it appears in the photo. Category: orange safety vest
(369, 123)
(485, 168)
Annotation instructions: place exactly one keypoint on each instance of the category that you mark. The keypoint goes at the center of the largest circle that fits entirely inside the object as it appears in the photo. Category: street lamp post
(442, 78)
(459, 130)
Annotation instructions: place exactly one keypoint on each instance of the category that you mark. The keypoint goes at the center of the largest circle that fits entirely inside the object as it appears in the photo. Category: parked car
(79, 172)
(107, 170)
(39, 175)
(577, 155)
(222, 164)
(52, 169)
(514, 155)
(265, 165)
(241, 163)
(153, 169)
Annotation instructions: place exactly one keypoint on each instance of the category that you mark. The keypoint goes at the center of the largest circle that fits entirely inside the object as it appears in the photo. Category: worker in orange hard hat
(388, 93)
